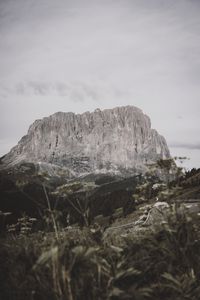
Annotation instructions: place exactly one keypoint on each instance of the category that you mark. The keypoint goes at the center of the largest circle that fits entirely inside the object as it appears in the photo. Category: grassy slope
(163, 263)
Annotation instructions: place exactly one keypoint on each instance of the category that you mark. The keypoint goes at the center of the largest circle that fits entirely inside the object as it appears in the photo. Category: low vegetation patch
(84, 264)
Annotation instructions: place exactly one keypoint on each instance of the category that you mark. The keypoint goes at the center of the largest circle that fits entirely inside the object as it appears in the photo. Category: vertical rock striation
(118, 140)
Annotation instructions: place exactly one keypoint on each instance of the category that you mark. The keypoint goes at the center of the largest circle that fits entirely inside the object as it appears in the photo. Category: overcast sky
(77, 55)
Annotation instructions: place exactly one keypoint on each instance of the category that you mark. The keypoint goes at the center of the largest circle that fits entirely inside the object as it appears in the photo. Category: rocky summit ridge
(118, 140)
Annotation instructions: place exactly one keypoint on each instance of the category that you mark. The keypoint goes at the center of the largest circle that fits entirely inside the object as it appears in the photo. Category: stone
(118, 140)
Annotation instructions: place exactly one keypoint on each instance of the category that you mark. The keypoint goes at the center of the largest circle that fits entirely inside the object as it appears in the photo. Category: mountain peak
(117, 140)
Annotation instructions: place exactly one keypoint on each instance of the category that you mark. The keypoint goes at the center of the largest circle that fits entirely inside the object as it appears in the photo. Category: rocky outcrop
(118, 140)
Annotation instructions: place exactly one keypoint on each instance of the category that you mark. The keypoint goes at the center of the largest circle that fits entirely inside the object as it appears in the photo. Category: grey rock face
(118, 140)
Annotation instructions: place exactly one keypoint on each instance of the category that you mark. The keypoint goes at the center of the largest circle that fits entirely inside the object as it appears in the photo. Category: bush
(160, 265)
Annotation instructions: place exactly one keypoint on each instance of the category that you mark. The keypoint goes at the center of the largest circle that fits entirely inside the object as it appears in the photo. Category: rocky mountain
(118, 141)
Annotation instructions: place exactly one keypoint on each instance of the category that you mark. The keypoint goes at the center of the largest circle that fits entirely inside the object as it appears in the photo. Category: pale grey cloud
(185, 146)
(76, 55)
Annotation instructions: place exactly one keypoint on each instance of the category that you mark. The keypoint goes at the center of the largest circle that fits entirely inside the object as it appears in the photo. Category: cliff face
(118, 140)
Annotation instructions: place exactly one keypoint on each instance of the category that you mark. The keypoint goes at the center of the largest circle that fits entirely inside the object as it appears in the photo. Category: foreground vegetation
(66, 255)
(86, 264)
